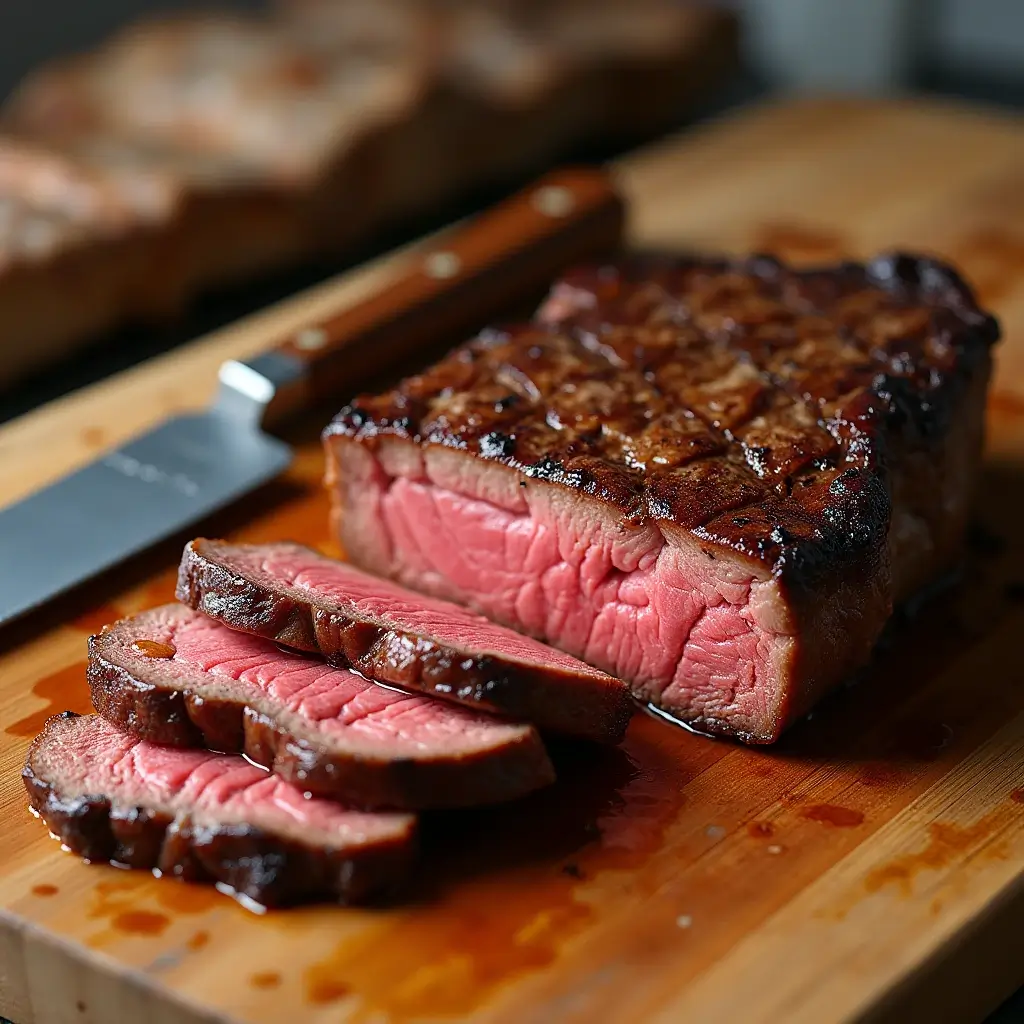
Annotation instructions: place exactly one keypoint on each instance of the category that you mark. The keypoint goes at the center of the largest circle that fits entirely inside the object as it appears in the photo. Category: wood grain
(870, 866)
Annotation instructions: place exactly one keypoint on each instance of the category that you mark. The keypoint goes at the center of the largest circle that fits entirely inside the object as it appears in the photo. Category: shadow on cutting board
(502, 889)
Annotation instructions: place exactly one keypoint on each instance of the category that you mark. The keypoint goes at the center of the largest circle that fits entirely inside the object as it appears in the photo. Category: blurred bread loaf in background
(194, 151)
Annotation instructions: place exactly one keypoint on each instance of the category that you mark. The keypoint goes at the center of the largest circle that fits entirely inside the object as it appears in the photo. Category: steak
(174, 677)
(712, 478)
(206, 817)
(295, 596)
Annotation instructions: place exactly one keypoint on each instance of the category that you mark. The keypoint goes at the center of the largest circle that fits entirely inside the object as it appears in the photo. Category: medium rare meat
(711, 478)
(293, 595)
(206, 817)
(175, 677)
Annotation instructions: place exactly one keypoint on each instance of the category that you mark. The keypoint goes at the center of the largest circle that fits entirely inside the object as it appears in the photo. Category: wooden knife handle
(505, 256)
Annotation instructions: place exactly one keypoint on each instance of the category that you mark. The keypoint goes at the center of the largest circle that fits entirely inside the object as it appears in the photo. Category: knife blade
(192, 465)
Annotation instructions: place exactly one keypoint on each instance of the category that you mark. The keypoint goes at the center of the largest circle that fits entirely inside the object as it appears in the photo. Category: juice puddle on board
(140, 922)
(265, 980)
(113, 895)
(510, 882)
(834, 815)
(63, 690)
(92, 621)
(946, 842)
(126, 903)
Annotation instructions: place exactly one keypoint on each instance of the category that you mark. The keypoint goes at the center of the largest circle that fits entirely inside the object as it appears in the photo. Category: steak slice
(175, 677)
(711, 478)
(291, 594)
(206, 817)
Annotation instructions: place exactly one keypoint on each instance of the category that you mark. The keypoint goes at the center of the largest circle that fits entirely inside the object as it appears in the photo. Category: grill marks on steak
(710, 478)
(207, 817)
(680, 390)
(327, 730)
(291, 594)
(854, 362)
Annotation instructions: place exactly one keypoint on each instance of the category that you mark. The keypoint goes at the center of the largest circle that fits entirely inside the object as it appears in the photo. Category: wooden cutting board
(871, 865)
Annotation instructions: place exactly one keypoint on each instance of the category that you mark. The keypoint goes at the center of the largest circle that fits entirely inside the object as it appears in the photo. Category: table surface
(822, 226)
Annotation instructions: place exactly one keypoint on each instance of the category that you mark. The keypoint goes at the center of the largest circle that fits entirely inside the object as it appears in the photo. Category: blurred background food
(167, 166)
(192, 150)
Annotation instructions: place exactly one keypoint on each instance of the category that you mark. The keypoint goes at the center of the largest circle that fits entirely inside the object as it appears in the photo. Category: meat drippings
(154, 649)
(63, 690)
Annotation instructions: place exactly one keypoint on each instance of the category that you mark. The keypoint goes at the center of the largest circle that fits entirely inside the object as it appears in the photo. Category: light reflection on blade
(126, 501)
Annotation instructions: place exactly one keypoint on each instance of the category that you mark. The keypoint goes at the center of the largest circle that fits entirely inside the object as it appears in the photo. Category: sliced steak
(175, 677)
(293, 595)
(711, 478)
(207, 817)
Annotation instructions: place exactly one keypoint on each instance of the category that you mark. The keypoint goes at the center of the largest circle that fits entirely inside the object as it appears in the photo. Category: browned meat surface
(175, 677)
(713, 479)
(295, 596)
(207, 817)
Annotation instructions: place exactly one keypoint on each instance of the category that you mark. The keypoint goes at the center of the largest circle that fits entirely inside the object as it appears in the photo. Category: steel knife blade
(192, 465)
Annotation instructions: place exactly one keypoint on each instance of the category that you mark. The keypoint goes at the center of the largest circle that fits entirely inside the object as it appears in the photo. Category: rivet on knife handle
(502, 258)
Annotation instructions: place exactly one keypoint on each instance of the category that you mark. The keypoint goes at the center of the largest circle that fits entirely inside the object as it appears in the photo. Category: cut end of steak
(206, 817)
(175, 677)
(711, 478)
(295, 596)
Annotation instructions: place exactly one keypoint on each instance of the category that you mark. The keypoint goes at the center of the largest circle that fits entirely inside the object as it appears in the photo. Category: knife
(192, 465)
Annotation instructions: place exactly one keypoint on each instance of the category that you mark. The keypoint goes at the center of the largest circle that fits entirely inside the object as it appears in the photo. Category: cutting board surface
(869, 865)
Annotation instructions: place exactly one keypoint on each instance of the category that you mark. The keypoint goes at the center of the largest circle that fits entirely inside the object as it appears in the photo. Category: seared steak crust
(224, 582)
(183, 706)
(273, 870)
(745, 401)
(712, 478)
